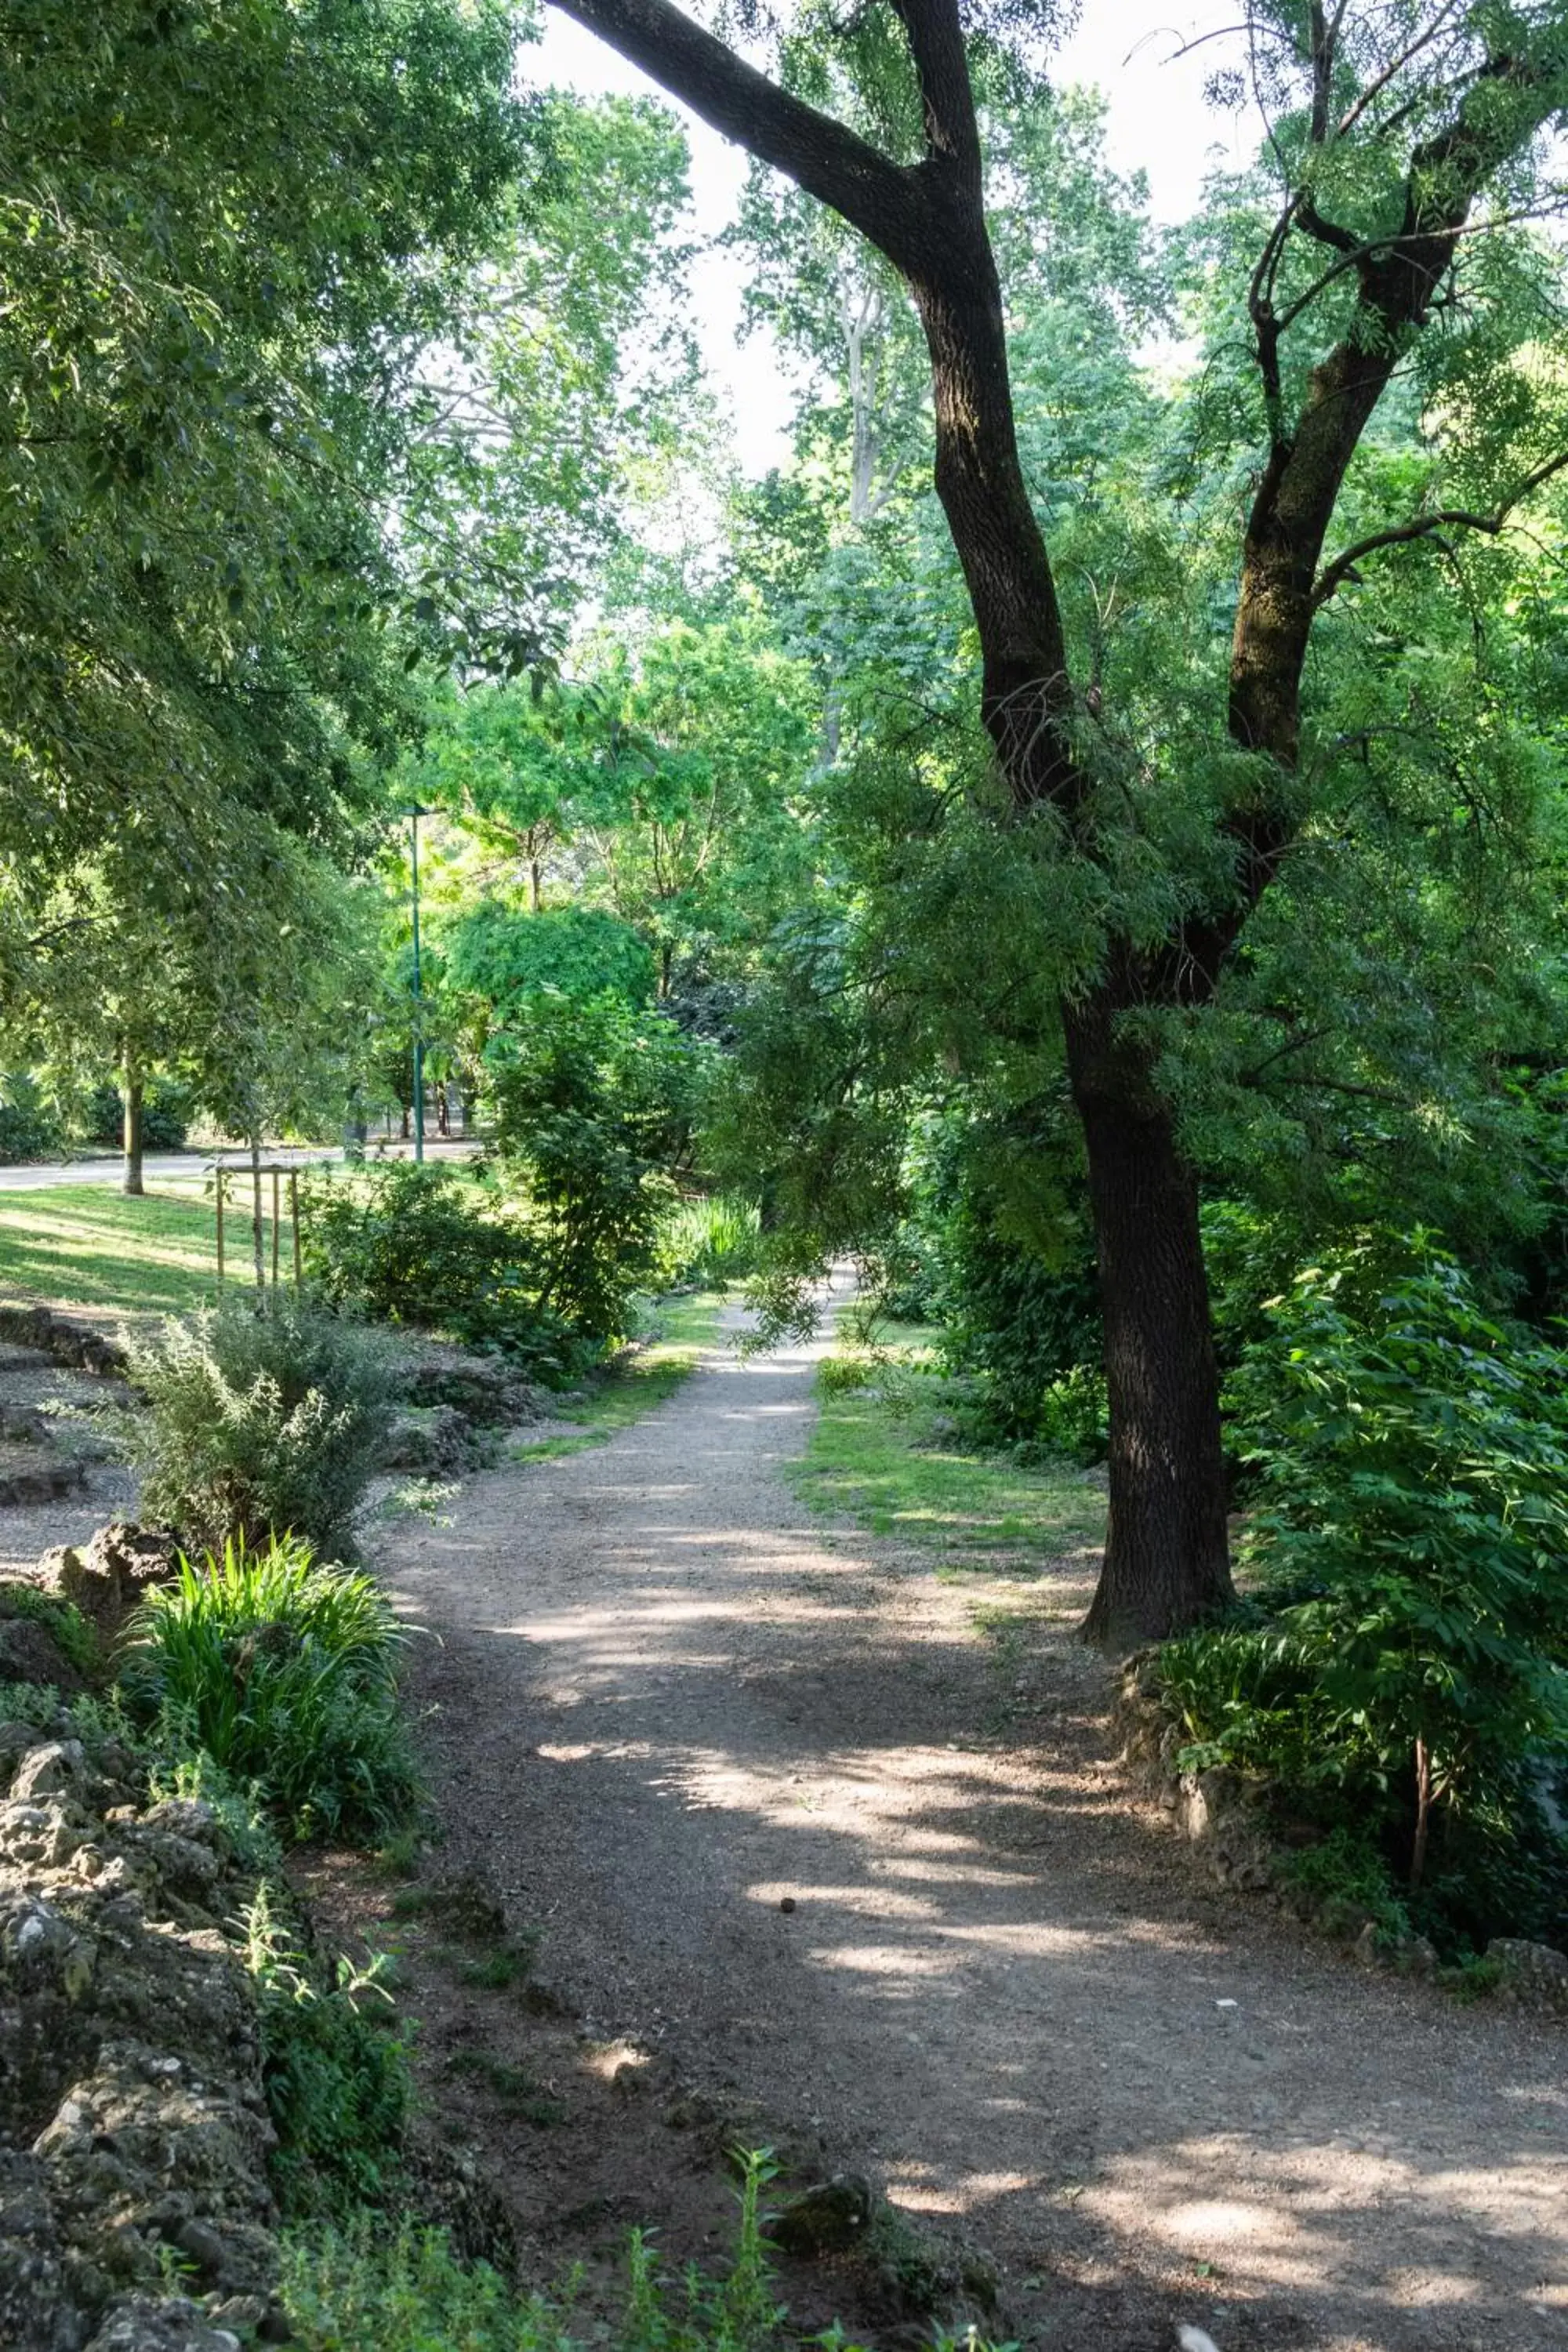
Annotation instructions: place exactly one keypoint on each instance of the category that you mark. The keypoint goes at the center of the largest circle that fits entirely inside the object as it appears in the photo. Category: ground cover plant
(258, 1419)
(350, 2290)
(284, 1671)
(335, 2071)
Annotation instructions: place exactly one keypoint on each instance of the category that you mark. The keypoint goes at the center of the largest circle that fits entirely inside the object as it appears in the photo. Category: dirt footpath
(668, 1703)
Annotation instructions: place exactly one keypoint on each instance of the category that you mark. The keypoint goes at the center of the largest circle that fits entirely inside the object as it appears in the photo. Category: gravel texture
(669, 1708)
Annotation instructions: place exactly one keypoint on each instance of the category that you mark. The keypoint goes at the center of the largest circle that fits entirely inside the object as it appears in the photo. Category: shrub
(710, 1242)
(259, 1421)
(425, 1247)
(336, 2077)
(165, 1116)
(595, 1105)
(1073, 1419)
(285, 1672)
(1403, 1670)
(29, 1128)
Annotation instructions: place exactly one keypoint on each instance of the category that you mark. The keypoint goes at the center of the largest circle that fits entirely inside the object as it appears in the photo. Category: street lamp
(415, 814)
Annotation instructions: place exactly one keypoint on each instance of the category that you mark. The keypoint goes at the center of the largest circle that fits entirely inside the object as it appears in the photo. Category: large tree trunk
(1167, 1558)
(131, 1096)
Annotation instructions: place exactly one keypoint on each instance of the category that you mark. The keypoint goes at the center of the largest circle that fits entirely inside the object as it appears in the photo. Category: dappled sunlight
(866, 1844)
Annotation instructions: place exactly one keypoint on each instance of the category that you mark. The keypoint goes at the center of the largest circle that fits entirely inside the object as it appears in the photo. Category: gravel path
(666, 1703)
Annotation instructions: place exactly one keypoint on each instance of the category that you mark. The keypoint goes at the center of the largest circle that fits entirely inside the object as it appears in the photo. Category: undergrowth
(258, 1422)
(334, 2069)
(285, 1671)
(1399, 1681)
(69, 1630)
(350, 2289)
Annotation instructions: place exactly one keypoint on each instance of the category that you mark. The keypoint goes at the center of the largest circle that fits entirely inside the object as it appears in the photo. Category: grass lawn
(889, 1469)
(85, 1246)
(681, 1329)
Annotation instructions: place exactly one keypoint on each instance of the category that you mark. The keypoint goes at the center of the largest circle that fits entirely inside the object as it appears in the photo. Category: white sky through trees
(1157, 124)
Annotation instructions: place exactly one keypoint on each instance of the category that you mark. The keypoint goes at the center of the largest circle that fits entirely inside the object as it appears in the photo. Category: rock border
(1222, 1816)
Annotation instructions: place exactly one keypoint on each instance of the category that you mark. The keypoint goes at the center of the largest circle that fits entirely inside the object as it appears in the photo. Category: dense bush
(285, 1672)
(165, 1116)
(580, 952)
(595, 1105)
(29, 1128)
(1403, 1669)
(437, 1249)
(260, 1421)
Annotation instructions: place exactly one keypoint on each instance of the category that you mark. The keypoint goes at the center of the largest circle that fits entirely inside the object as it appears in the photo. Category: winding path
(669, 1702)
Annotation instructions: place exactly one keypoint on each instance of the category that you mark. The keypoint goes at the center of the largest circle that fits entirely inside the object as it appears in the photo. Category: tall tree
(1393, 137)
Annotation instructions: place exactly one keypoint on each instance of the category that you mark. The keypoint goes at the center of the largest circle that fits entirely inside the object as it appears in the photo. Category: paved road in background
(173, 1166)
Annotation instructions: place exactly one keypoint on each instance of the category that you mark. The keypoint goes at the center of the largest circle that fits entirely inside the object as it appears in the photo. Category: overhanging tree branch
(1425, 526)
(878, 197)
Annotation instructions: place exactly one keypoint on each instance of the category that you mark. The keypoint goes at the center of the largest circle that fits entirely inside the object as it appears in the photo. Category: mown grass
(681, 1329)
(884, 1460)
(87, 1246)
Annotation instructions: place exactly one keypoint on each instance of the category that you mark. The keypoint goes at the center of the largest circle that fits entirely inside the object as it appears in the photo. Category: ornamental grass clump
(284, 1671)
(260, 1421)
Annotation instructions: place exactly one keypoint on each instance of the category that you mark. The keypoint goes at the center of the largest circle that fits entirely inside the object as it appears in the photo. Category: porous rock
(61, 1339)
(429, 1437)
(1532, 1976)
(487, 1391)
(826, 2217)
(106, 1577)
(132, 2119)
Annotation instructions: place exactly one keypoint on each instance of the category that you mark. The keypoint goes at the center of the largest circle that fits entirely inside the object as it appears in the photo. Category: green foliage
(578, 952)
(195, 1773)
(1001, 1228)
(30, 1129)
(1346, 1881)
(596, 1105)
(75, 1639)
(433, 1248)
(1409, 1671)
(259, 1420)
(710, 1242)
(350, 2290)
(1072, 1417)
(335, 2075)
(227, 235)
(285, 1672)
(840, 1374)
(165, 1116)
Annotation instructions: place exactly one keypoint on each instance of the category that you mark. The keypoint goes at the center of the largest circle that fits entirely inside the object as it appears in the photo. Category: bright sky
(1158, 123)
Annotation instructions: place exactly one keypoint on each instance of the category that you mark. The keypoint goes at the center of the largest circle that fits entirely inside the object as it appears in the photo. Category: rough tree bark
(133, 1095)
(1166, 1559)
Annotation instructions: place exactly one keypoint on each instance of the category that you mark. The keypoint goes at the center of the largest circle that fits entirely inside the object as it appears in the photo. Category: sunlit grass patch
(87, 1246)
(878, 1454)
